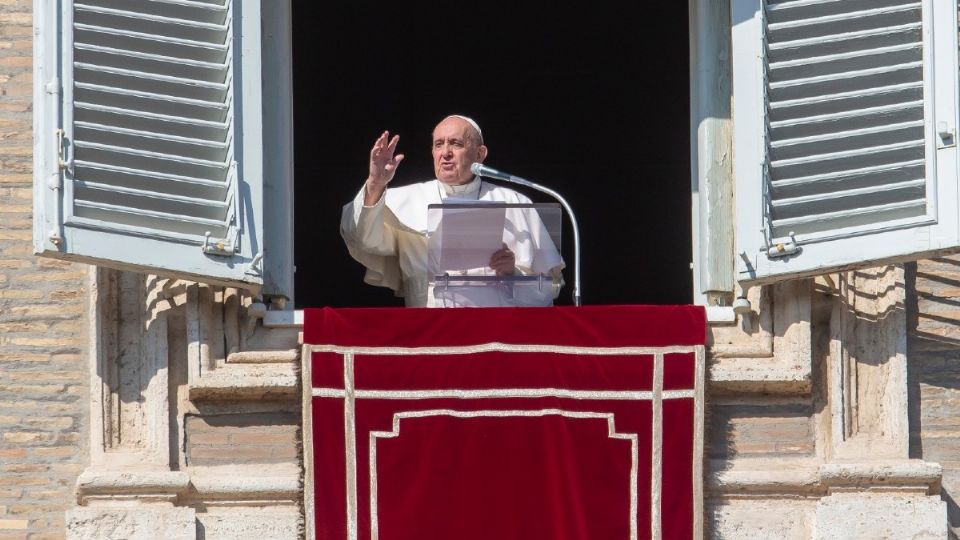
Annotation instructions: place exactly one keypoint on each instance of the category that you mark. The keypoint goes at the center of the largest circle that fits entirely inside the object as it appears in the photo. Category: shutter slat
(848, 75)
(151, 219)
(159, 178)
(845, 176)
(107, 130)
(150, 122)
(834, 136)
(153, 203)
(148, 56)
(153, 145)
(848, 114)
(215, 106)
(218, 205)
(217, 5)
(142, 16)
(847, 153)
(848, 193)
(150, 213)
(851, 218)
(831, 142)
(844, 17)
(846, 37)
(821, 5)
(148, 230)
(851, 55)
(826, 98)
(153, 77)
(157, 38)
(147, 114)
(149, 154)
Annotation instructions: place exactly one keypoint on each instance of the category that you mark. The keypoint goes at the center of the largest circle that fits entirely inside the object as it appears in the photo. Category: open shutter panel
(838, 162)
(151, 114)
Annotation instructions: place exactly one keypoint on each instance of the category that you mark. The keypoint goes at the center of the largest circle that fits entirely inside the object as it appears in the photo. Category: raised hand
(383, 165)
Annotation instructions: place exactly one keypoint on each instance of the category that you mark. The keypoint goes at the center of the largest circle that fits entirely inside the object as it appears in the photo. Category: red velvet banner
(552, 423)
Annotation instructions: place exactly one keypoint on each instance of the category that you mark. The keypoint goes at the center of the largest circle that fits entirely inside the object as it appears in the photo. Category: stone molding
(144, 486)
(810, 478)
(231, 355)
(769, 350)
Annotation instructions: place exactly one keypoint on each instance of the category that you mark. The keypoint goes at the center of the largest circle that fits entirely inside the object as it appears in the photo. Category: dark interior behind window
(592, 101)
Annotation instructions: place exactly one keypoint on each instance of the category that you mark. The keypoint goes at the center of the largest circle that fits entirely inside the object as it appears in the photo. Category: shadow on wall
(933, 370)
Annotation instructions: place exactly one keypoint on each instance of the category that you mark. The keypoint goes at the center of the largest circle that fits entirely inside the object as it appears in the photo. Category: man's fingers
(377, 146)
(393, 142)
(381, 143)
(392, 166)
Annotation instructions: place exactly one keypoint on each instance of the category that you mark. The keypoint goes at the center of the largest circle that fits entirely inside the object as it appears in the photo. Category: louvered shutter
(148, 136)
(844, 138)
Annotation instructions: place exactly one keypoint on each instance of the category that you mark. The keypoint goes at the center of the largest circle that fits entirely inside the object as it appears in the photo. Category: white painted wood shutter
(148, 135)
(845, 115)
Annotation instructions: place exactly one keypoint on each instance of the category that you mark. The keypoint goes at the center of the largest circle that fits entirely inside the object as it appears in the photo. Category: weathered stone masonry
(43, 324)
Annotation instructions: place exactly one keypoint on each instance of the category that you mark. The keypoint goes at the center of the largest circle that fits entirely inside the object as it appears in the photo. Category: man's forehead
(450, 129)
(457, 127)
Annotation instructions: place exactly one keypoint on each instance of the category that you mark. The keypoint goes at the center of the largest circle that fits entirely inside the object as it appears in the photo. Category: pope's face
(455, 148)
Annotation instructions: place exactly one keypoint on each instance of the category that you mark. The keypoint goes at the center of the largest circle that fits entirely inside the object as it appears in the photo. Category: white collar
(469, 190)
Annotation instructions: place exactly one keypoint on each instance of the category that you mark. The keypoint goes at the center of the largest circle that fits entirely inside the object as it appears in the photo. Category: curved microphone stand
(482, 170)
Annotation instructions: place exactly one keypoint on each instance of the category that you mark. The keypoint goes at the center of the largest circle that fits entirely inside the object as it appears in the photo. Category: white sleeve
(365, 227)
(372, 241)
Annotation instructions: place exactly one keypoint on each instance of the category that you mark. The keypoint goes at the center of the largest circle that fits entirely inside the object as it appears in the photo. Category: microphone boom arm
(482, 170)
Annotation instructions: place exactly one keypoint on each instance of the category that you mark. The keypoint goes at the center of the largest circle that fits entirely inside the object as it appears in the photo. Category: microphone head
(476, 168)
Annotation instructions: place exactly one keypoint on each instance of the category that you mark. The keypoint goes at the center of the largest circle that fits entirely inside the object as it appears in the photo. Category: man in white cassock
(386, 229)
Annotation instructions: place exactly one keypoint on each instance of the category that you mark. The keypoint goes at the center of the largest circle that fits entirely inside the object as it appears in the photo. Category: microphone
(480, 169)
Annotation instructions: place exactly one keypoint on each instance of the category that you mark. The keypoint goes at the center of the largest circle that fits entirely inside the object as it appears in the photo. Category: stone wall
(195, 416)
(812, 407)
(934, 352)
(43, 324)
(225, 439)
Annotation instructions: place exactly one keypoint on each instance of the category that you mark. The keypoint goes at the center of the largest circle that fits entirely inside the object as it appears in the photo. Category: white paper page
(468, 237)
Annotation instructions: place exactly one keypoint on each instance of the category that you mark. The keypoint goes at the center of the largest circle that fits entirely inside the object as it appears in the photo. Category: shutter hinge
(52, 87)
(63, 163)
(55, 184)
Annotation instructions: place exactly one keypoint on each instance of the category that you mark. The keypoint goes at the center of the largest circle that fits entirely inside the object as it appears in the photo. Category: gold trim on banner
(611, 433)
(656, 444)
(698, 421)
(627, 395)
(505, 347)
(350, 437)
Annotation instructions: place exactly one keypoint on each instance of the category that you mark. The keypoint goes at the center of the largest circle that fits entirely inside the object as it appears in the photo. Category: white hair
(473, 123)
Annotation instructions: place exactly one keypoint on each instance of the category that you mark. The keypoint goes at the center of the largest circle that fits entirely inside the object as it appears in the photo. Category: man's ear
(482, 153)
